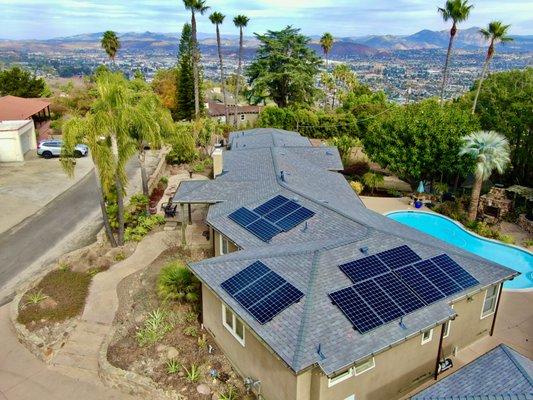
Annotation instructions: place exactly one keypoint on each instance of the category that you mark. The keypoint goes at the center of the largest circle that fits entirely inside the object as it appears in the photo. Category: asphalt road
(25, 243)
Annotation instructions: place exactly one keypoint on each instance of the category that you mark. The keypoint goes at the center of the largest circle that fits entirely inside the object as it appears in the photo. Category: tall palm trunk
(453, 31)
(196, 60)
(144, 177)
(485, 67)
(474, 200)
(101, 199)
(120, 194)
(239, 66)
(222, 79)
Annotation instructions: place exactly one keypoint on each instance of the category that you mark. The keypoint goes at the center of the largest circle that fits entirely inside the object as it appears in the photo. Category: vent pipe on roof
(364, 250)
(282, 175)
(402, 325)
(319, 352)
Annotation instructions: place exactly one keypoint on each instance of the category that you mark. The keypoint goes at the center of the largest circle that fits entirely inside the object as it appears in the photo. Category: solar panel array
(394, 283)
(262, 292)
(277, 215)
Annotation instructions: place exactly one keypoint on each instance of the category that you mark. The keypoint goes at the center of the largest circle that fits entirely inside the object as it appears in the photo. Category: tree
(110, 43)
(372, 180)
(195, 7)
(165, 86)
(457, 11)
(345, 145)
(491, 152)
(286, 67)
(420, 141)
(504, 105)
(217, 19)
(496, 32)
(19, 82)
(186, 95)
(240, 22)
(326, 42)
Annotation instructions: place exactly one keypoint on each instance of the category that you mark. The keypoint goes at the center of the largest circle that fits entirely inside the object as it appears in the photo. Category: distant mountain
(468, 39)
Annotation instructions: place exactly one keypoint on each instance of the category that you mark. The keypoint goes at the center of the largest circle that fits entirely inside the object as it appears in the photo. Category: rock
(91, 255)
(172, 352)
(160, 347)
(203, 389)
(48, 304)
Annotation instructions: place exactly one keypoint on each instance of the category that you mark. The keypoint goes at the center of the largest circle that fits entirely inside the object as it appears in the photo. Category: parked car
(51, 148)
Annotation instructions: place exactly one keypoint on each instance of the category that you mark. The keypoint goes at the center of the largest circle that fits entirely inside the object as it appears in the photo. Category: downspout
(496, 311)
(439, 352)
(183, 224)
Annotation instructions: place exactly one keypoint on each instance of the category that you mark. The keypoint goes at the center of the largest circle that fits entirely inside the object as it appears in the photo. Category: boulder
(172, 352)
(203, 389)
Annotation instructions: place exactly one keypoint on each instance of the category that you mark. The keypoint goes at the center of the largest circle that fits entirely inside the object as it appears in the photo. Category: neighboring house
(14, 108)
(245, 114)
(16, 139)
(311, 295)
(500, 374)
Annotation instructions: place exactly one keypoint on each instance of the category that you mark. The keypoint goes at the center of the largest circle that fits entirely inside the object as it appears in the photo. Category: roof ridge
(508, 352)
(302, 336)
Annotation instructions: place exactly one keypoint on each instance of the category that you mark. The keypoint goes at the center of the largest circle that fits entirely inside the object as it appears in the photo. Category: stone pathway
(78, 358)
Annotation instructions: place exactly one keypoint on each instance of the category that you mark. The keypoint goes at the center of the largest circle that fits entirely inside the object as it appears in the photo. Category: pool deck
(514, 324)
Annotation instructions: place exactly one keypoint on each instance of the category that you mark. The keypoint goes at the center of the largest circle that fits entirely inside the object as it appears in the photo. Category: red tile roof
(15, 108)
(217, 109)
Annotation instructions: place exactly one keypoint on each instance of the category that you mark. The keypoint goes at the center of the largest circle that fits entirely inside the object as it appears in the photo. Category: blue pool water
(448, 231)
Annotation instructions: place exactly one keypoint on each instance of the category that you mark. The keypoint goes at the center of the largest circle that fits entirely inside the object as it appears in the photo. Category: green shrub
(173, 366)
(373, 180)
(191, 331)
(176, 282)
(506, 239)
(192, 374)
(357, 187)
(183, 148)
(144, 225)
(155, 328)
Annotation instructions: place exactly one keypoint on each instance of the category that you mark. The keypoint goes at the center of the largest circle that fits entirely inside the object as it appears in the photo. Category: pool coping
(470, 233)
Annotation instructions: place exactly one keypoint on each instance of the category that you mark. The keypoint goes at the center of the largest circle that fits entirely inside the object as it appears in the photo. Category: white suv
(50, 148)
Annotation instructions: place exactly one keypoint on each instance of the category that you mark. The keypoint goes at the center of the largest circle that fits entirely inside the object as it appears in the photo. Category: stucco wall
(231, 247)
(253, 359)
(12, 143)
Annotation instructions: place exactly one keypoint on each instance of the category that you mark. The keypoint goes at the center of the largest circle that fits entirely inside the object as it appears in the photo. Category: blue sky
(33, 19)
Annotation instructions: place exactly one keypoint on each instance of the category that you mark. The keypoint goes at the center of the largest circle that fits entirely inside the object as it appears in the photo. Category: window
(427, 336)
(340, 377)
(491, 299)
(224, 245)
(233, 324)
(363, 367)
(354, 371)
(447, 328)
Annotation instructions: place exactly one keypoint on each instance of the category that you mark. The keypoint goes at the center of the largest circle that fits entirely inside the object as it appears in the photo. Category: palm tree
(491, 151)
(457, 11)
(496, 32)
(240, 22)
(110, 43)
(195, 7)
(217, 19)
(326, 42)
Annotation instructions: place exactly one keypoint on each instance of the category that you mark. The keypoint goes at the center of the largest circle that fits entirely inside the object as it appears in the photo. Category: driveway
(27, 187)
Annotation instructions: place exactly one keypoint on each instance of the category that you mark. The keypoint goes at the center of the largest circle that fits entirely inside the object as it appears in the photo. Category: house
(245, 114)
(14, 108)
(314, 297)
(16, 139)
(501, 373)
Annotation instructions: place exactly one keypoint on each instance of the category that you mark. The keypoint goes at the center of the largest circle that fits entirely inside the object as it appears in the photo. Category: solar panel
(355, 309)
(261, 291)
(455, 271)
(275, 303)
(282, 211)
(261, 287)
(399, 292)
(364, 268)
(271, 204)
(398, 257)
(436, 276)
(243, 217)
(380, 303)
(424, 288)
(263, 229)
(245, 277)
(294, 219)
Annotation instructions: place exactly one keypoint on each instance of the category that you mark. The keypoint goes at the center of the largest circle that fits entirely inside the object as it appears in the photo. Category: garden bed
(176, 355)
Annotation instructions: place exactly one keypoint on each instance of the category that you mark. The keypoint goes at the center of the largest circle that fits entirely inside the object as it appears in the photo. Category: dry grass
(66, 289)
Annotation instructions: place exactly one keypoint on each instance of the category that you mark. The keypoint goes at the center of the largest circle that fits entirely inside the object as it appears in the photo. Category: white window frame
(223, 240)
(494, 296)
(367, 365)
(424, 341)
(351, 372)
(447, 328)
(233, 327)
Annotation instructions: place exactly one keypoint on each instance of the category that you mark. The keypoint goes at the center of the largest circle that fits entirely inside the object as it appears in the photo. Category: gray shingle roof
(308, 258)
(502, 373)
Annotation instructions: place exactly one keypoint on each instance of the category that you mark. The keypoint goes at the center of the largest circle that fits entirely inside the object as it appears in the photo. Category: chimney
(218, 162)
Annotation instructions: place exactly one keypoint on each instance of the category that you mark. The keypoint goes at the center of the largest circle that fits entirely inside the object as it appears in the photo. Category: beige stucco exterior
(397, 370)
(218, 244)
(16, 139)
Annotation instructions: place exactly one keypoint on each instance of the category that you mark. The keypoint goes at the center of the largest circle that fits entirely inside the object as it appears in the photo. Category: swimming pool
(452, 232)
